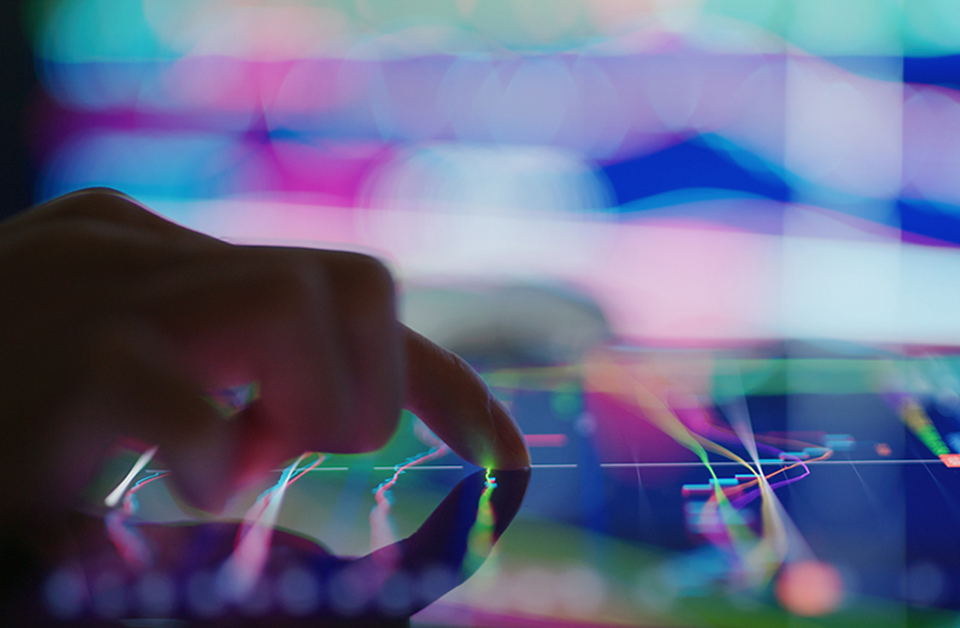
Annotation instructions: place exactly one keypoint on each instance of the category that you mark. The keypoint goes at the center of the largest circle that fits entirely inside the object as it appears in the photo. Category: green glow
(846, 27)
(798, 376)
(76, 31)
(931, 27)
(566, 402)
(480, 540)
(919, 423)
(98, 30)
(763, 13)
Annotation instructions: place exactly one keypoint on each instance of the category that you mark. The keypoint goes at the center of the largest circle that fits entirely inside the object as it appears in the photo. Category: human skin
(116, 323)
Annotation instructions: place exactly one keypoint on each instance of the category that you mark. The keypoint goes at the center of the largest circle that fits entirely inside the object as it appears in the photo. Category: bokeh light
(810, 588)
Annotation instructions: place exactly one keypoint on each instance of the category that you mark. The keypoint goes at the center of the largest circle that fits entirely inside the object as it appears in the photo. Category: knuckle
(292, 285)
(375, 273)
(102, 191)
(370, 275)
(104, 204)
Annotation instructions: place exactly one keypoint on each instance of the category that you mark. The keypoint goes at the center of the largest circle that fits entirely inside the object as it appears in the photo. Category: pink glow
(546, 440)
(283, 224)
(689, 283)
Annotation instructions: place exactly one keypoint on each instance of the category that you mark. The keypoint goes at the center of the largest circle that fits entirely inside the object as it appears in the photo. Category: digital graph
(721, 516)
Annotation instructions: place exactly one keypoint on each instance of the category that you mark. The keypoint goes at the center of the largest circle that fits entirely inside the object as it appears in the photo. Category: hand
(382, 588)
(117, 323)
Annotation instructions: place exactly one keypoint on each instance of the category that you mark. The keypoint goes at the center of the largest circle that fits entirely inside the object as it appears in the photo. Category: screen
(705, 251)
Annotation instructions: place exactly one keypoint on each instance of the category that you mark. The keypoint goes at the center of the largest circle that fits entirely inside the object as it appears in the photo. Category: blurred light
(931, 154)
(210, 83)
(613, 16)
(534, 591)
(202, 595)
(533, 106)
(507, 181)
(157, 594)
(931, 27)
(653, 592)
(862, 27)
(298, 591)
(350, 591)
(924, 583)
(810, 588)
(549, 20)
(248, 31)
(844, 131)
(65, 593)
(90, 31)
(256, 603)
(396, 596)
(764, 14)
(96, 29)
(433, 583)
(403, 98)
(108, 595)
(929, 299)
(171, 165)
(841, 289)
(582, 591)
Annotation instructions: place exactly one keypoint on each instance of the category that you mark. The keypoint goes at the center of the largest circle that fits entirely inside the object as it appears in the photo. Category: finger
(452, 400)
(363, 309)
(336, 380)
(262, 315)
(141, 389)
(108, 206)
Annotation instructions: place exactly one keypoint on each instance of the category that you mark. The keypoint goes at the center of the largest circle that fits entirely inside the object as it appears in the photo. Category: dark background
(18, 85)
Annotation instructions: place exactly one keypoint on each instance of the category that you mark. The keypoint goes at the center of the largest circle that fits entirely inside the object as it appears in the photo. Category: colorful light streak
(730, 533)
(734, 535)
(75, 31)
(117, 494)
(381, 527)
(241, 571)
(754, 558)
(602, 109)
(915, 417)
(125, 538)
(480, 539)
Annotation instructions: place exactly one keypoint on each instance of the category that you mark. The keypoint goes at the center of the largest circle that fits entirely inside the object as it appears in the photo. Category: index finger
(451, 399)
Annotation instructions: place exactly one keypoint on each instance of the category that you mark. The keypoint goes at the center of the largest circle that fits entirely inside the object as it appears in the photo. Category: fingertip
(454, 402)
(511, 453)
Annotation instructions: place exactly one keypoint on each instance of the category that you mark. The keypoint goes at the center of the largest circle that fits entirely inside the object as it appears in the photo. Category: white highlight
(117, 494)
(241, 572)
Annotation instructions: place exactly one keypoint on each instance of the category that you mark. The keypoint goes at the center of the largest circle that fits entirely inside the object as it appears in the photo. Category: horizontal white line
(879, 461)
(435, 467)
(730, 463)
(641, 465)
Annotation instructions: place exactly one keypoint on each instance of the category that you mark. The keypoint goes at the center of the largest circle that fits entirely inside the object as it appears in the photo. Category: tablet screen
(706, 253)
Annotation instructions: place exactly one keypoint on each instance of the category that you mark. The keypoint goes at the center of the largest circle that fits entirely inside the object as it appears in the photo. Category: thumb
(147, 396)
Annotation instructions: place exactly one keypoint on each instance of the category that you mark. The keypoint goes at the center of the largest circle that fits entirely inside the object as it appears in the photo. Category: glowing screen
(706, 250)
